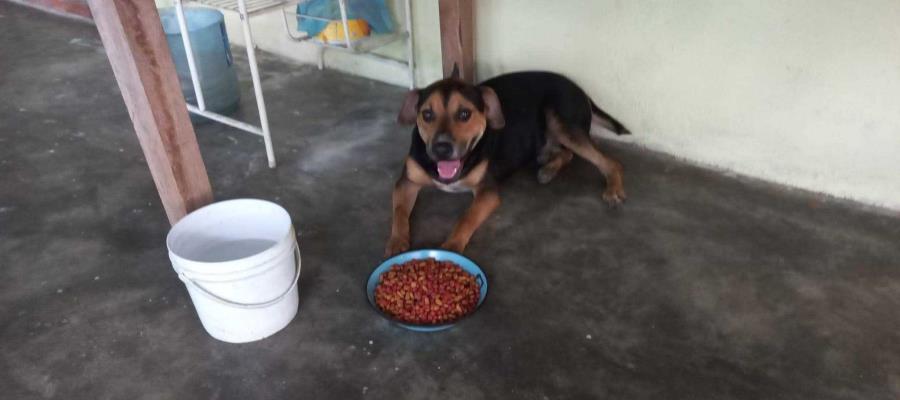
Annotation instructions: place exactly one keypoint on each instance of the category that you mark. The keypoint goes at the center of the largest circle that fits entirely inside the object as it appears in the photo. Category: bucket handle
(227, 302)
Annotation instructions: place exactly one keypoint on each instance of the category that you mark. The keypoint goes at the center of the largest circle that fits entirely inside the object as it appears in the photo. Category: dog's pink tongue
(447, 169)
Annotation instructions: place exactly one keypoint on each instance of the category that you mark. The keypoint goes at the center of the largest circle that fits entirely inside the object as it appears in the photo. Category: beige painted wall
(803, 92)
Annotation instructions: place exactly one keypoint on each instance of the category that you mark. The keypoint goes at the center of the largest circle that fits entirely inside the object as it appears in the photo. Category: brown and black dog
(469, 138)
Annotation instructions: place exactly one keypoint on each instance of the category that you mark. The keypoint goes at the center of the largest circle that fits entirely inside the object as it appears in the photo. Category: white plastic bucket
(240, 262)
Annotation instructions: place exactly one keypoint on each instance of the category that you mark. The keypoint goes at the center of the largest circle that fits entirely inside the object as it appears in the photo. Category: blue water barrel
(212, 57)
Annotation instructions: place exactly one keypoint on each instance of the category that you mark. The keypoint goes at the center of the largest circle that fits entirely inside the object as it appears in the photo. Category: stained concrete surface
(704, 286)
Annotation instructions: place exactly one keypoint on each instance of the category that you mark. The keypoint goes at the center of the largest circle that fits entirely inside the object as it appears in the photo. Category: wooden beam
(457, 37)
(136, 46)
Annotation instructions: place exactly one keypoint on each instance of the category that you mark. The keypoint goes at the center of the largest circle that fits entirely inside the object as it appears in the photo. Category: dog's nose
(442, 150)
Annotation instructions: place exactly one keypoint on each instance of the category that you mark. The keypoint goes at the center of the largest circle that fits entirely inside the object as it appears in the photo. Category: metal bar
(253, 6)
(189, 51)
(306, 37)
(344, 21)
(226, 120)
(304, 16)
(410, 57)
(257, 86)
(287, 27)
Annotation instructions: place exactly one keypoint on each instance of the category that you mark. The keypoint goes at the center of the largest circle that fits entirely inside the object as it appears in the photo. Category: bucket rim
(229, 267)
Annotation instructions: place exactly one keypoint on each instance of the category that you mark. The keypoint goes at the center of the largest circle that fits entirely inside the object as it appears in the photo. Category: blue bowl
(440, 255)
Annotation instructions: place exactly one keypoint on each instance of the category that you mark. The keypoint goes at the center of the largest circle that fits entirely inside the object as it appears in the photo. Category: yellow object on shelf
(334, 31)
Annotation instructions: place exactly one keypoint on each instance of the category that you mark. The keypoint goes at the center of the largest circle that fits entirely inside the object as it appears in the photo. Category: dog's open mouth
(448, 170)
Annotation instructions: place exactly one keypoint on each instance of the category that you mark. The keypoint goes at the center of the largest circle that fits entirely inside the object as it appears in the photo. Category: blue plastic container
(212, 56)
(440, 255)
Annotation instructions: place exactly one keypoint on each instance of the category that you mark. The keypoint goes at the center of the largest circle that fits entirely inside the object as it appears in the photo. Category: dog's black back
(524, 98)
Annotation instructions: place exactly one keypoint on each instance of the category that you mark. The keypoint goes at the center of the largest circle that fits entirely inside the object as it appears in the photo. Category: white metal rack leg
(410, 58)
(257, 86)
(200, 108)
(189, 50)
(343, 8)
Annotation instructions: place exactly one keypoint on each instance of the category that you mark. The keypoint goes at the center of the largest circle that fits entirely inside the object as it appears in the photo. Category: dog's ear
(408, 111)
(455, 73)
(492, 109)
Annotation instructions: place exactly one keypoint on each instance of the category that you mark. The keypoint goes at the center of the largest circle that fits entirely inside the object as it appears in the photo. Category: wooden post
(457, 37)
(136, 46)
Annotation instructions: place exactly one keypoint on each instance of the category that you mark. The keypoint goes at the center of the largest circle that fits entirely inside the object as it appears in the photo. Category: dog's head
(451, 116)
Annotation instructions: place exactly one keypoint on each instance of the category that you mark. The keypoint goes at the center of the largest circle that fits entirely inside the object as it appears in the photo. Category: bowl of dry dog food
(426, 290)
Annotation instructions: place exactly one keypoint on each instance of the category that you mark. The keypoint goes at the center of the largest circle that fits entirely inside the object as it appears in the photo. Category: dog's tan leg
(560, 159)
(580, 143)
(486, 201)
(404, 198)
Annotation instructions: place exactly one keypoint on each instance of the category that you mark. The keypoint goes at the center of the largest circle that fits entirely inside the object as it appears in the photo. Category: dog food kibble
(427, 291)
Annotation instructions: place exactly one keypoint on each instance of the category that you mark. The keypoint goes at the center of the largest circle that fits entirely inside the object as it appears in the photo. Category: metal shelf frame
(362, 47)
(244, 8)
(247, 8)
(253, 6)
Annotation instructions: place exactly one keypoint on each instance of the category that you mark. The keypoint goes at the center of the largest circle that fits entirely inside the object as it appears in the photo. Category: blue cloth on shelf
(375, 12)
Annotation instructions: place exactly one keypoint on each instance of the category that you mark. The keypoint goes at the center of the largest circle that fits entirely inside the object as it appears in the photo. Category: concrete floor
(703, 287)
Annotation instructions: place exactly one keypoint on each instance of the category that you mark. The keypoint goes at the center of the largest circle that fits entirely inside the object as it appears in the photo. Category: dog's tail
(605, 120)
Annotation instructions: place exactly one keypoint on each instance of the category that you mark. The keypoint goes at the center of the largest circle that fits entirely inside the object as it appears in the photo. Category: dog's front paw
(614, 195)
(456, 246)
(396, 245)
(546, 174)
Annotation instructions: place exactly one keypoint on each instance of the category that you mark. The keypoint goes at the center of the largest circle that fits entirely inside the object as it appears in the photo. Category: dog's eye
(428, 115)
(463, 115)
